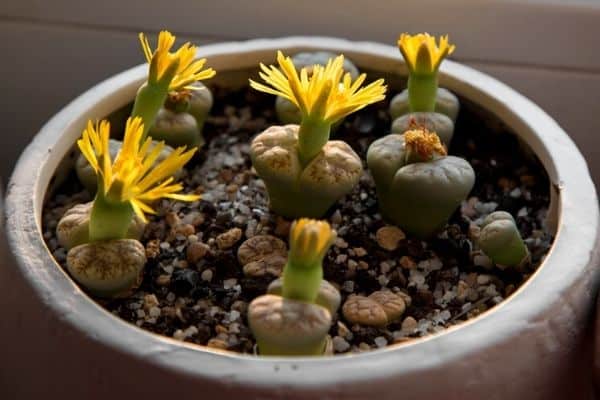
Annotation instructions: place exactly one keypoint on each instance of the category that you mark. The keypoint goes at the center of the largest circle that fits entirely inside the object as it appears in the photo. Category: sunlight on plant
(295, 316)
(423, 57)
(418, 185)
(305, 158)
(133, 181)
(168, 71)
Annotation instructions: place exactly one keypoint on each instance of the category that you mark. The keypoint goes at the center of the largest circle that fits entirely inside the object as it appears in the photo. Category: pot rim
(577, 208)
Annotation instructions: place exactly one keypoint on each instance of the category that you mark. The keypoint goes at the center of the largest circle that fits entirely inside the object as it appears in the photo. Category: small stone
(336, 218)
(481, 260)
(258, 247)
(229, 238)
(359, 252)
(163, 280)
(380, 341)
(385, 267)
(229, 283)
(185, 230)
(462, 290)
(388, 237)
(348, 286)
(150, 301)
(178, 335)
(190, 331)
(196, 251)
(154, 312)
(183, 281)
(409, 325)
(340, 243)
(483, 279)
(206, 275)
(363, 265)
(340, 345)
(217, 344)
(341, 258)
(364, 311)
(343, 330)
(172, 219)
(153, 248)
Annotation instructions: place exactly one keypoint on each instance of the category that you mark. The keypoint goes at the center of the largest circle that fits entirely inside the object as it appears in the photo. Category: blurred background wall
(52, 50)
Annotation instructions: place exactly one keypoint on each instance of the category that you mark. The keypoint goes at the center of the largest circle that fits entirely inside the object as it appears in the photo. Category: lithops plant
(378, 309)
(177, 73)
(168, 72)
(418, 185)
(436, 108)
(501, 241)
(287, 111)
(86, 174)
(292, 322)
(108, 268)
(126, 188)
(305, 172)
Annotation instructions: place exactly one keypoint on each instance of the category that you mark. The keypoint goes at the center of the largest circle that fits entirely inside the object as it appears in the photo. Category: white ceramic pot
(58, 341)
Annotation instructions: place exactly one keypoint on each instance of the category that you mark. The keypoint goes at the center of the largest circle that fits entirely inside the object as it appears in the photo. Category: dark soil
(203, 299)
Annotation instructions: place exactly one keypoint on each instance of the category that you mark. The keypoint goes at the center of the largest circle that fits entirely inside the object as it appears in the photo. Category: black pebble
(184, 281)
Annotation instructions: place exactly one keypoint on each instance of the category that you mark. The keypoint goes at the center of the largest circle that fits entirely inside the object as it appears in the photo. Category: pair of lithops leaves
(501, 241)
(297, 190)
(293, 318)
(109, 268)
(289, 113)
(178, 123)
(285, 326)
(440, 121)
(419, 195)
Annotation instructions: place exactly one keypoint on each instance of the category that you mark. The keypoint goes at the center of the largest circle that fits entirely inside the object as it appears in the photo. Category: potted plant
(541, 322)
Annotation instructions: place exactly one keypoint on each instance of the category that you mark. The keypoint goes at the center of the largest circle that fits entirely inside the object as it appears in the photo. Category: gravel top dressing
(207, 260)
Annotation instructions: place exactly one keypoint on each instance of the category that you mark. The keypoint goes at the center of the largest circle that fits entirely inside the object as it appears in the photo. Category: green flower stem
(312, 136)
(302, 281)
(109, 219)
(422, 92)
(149, 99)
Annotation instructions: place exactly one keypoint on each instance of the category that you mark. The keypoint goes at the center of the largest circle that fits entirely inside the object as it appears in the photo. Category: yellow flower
(328, 94)
(310, 239)
(134, 177)
(424, 143)
(421, 53)
(187, 71)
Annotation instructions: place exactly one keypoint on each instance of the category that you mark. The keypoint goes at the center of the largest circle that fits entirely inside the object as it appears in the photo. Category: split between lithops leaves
(294, 322)
(168, 72)
(501, 241)
(304, 172)
(418, 185)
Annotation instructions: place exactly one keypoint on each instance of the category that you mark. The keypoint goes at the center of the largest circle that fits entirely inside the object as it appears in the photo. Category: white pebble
(340, 344)
(229, 283)
(380, 341)
(206, 275)
(154, 312)
(348, 286)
